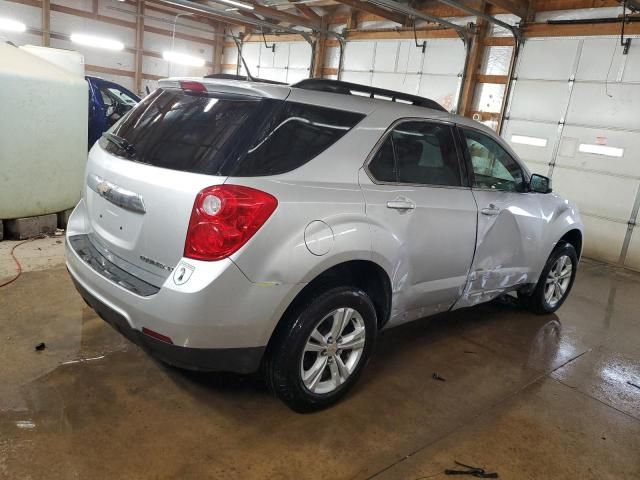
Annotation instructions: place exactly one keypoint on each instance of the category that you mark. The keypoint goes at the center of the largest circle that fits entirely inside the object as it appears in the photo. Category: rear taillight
(224, 218)
(193, 86)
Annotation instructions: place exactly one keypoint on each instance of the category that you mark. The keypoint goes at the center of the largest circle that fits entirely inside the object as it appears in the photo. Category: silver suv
(230, 225)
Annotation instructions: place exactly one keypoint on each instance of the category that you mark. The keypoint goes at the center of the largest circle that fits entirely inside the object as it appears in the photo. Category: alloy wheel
(333, 350)
(558, 280)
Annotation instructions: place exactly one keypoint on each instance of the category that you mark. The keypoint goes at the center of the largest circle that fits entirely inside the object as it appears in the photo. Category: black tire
(282, 365)
(536, 301)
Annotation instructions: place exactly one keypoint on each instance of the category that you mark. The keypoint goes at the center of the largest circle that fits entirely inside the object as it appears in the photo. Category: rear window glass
(226, 135)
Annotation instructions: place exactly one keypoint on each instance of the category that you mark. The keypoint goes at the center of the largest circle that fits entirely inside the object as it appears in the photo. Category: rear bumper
(217, 319)
(241, 360)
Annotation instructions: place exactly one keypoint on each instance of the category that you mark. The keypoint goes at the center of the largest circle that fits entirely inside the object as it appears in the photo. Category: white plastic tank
(43, 135)
(66, 59)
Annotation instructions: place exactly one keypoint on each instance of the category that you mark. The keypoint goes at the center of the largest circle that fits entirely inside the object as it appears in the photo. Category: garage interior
(492, 386)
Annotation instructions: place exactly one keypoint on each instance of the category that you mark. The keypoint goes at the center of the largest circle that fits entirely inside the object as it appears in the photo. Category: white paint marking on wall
(533, 141)
(601, 150)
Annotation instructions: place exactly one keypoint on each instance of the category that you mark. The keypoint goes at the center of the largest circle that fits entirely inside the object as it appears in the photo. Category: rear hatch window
(226, 135)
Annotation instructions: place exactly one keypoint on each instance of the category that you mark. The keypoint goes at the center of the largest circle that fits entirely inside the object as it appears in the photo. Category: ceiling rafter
(378, 11)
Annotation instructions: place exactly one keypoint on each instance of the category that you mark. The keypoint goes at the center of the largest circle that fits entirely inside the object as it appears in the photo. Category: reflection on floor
(526, 396)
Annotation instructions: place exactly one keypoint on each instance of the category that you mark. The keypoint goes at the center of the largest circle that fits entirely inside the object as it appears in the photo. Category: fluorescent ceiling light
(601, 150)
(524, 140)
(235, 4)
(12, 25)
(183, 59)
(97, 42)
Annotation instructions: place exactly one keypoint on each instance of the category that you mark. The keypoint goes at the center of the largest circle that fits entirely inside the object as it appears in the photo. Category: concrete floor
(526, 396)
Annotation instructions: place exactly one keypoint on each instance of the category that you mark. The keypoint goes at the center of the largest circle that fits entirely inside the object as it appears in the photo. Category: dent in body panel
(513, 248)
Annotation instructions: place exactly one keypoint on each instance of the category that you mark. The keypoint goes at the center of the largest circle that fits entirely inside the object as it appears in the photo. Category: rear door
(144, 175)
(423, 216)
(510, 220)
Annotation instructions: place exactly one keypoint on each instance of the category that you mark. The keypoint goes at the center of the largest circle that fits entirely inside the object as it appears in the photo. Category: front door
(509, 220)
(423, 217)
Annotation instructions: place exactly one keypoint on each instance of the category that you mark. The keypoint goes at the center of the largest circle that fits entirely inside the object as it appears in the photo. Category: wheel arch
(573, 237)
(364, 274)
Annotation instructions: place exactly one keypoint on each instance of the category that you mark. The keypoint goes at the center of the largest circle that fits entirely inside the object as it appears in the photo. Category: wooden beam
(483, 78)
(401, 34)
(378, 11)
(498, 42)
(307, 11)
(120, 72)
(137, 83)
(546, 30)
(474, 65)
(46, 23)
(285, 17)
(218, 48)
(319, 53)
(554, 5)
(517, 7)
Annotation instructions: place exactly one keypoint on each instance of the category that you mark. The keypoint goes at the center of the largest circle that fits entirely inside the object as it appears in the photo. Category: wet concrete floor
(529, 397)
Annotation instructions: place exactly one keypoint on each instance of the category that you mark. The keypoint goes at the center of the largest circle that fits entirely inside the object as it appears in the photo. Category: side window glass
(492, 166)
(382, 166)
(426, 154)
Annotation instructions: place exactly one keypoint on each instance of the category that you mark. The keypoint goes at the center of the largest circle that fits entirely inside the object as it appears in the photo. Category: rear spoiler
(229, 86)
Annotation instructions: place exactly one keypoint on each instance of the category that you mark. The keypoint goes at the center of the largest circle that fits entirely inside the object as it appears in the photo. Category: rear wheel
(555, 281)
(321, 351)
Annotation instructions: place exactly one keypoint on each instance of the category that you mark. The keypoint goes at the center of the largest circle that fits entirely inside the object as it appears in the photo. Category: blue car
(108, 102)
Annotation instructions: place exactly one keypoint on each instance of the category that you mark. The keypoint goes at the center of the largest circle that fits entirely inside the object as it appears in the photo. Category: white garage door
(289, 62)
(400, 65)
(575, 115)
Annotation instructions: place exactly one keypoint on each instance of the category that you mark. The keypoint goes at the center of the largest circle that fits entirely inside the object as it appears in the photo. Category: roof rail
(348, 88)
(230, 76)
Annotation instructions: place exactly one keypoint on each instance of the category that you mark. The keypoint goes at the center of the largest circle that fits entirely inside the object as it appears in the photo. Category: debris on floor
(634, 384)
(436, 376)
(41, 346)
(473, 471)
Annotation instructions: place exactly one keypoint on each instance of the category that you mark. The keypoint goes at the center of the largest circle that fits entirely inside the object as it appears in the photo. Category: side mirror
(540, 184)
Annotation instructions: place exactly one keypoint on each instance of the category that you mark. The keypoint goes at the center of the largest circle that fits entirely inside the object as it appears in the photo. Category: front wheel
(322, 348)
(555, 281)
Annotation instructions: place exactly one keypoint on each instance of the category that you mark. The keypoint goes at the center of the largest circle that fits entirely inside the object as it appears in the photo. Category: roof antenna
(246, 67)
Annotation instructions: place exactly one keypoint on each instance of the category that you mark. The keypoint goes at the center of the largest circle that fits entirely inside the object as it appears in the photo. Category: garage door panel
(444, 57)
(396, 81)
(599, 57)
(569, 153)
(299, 55)
(535, 132)
(633, 253)
(386, 56)
(632, 65)
(251, 55)
(539, 100)
(603, 239)
(281, 55)
(590, 105)
(295, 75)
(359, 56)
(267, 57)
(409, 58)
(548, 59)
(363, 78)
(443, 89)
(597, 194)
(277, 74)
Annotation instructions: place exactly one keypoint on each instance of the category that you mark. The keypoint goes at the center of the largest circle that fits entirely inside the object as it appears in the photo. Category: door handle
(401, 205)
(490, 209)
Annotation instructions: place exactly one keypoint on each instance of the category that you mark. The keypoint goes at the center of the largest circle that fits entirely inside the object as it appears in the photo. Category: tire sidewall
(540, 303)
(288, 358)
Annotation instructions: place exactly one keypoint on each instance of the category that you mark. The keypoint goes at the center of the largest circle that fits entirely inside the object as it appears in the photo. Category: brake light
(193, 86)
(224, 218)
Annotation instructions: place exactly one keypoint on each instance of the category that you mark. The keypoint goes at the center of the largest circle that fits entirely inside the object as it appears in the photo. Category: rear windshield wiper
(121, 143)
